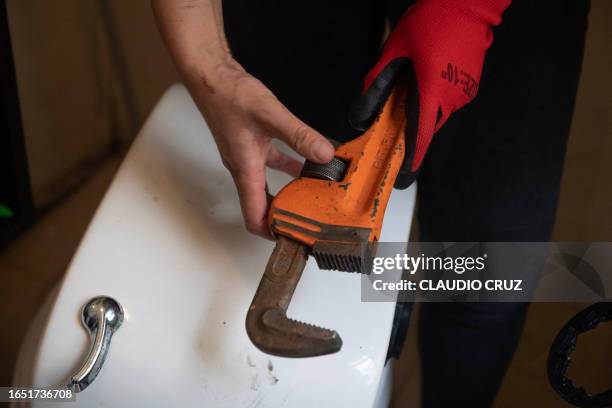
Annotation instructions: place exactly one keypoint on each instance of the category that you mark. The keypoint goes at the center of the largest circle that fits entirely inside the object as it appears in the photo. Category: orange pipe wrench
(334, 212)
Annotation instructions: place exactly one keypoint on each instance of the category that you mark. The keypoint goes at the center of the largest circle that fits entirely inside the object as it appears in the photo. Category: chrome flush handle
(101, 316)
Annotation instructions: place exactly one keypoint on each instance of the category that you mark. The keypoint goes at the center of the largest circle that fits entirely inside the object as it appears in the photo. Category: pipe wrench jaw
(344, 256)
(267, 323)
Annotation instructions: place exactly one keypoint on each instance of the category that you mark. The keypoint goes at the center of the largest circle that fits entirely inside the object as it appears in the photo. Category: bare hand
(244, 116)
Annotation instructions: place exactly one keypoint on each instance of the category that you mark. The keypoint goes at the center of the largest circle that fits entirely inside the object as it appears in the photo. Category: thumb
(421, 116)
(306, 141)
(377, 87)
(299, 136)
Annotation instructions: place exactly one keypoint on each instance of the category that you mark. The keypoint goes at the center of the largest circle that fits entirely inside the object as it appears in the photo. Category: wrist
(205, 76)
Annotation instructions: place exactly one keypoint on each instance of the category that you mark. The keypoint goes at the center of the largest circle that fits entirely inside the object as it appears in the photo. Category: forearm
(194, 35)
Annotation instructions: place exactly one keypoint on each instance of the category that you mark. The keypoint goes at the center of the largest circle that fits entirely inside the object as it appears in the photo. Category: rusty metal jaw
(267, 323)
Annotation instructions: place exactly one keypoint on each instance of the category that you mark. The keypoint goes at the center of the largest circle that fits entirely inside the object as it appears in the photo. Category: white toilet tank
(168, 243)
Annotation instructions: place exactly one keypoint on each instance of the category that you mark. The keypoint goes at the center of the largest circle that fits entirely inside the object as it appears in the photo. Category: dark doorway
(16, 206)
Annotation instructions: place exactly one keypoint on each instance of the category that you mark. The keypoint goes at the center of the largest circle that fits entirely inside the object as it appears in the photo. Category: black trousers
(492, 172)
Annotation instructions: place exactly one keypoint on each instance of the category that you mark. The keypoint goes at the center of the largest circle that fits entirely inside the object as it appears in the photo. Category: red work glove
(440, 45)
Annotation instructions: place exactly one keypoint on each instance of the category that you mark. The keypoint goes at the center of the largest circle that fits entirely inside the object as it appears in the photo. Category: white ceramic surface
(169, 244)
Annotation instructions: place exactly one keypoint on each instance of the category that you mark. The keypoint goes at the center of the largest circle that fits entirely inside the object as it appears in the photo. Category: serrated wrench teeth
(267, 323)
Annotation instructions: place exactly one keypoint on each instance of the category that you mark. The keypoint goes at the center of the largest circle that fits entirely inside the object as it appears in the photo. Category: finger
(251, 187)
(406, 176)
(283, 162)
(269, 197)
(422, 113)
(379, 82)
(419, 133)
(300, 137)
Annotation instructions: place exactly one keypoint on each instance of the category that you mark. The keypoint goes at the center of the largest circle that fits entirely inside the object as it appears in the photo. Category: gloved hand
(440, 45)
